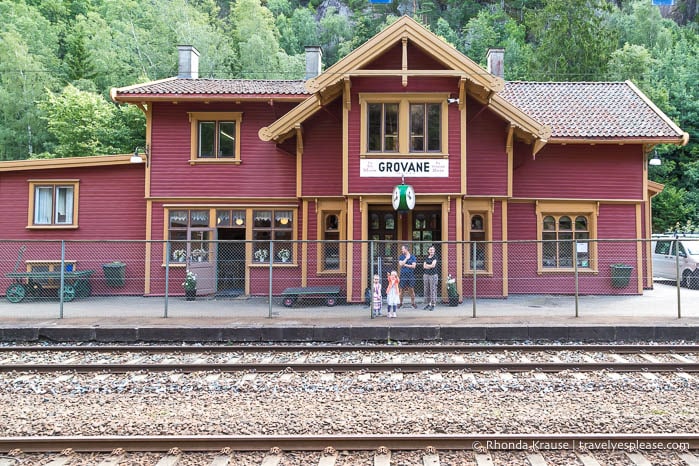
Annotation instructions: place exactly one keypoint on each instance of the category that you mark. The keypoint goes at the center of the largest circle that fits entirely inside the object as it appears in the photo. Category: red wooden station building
(318, 159)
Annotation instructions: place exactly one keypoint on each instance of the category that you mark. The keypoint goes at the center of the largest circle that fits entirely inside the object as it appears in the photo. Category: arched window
(558, 241)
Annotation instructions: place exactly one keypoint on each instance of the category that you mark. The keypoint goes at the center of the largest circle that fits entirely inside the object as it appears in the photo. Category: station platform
(654, 316)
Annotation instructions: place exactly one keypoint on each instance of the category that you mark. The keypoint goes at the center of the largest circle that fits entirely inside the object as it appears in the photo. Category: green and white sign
(403, 197)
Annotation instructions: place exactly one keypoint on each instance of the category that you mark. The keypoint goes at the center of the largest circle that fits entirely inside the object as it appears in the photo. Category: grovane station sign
(435, 168)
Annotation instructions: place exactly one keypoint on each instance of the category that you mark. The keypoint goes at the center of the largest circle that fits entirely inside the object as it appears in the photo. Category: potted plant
(190, 286)
(261, 255)
(452, 293)
(284, 255)
(199, 255)
(179, 255)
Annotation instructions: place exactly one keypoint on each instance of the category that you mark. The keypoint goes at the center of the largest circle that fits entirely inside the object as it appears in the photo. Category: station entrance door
(389, 229)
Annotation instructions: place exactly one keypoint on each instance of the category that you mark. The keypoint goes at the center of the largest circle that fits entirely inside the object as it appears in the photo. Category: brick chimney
(496, 62)
(313, 61)
(188, 65)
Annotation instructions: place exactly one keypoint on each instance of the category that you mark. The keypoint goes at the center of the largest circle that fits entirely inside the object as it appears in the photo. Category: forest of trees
(59, 58)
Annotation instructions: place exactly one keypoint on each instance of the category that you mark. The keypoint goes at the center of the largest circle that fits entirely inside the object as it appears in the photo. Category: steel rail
(321, 347)
(478, 442)
(357, 367)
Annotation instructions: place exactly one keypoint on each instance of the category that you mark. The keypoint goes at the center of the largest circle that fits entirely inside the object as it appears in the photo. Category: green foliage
(573, 40)
(668, 207)
(84, 123)
(632, 62)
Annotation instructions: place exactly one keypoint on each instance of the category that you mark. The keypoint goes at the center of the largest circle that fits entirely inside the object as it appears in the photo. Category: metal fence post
(167, 276)
(371, 278)
(473, 267)
(575, 268)
(63, 279)
(679, 279)
(271, 262)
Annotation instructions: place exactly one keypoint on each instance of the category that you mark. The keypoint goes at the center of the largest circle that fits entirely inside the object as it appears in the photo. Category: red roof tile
(190, 87)
(590, 109)
(581, 110)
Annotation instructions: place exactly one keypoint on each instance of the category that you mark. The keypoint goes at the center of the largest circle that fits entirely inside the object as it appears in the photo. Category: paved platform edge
(126, 334)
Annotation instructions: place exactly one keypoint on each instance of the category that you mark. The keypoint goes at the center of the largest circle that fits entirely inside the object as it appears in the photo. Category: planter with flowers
(200, 255)
(452, 293)
(179, 255)
(261, 255)
(284, 255)
(190, 286)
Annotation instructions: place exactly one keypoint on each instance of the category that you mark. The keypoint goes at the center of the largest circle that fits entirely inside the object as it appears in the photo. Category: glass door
(426, 232)
(383, 233)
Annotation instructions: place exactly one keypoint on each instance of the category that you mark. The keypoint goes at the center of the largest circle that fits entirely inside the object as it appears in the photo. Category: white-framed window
(53, 203)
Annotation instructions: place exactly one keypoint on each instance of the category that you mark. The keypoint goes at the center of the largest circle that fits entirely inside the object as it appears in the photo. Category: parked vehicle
(665, 258)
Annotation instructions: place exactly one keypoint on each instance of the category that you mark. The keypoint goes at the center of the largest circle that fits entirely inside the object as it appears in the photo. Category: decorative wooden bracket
(299, 139)
(404, 65)
(348, 95)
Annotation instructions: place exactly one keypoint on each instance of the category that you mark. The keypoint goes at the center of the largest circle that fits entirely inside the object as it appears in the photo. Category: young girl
(377, 296)
(392, 293)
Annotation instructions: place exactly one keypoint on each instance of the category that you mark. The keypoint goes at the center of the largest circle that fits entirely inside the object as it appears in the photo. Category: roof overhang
(123, 94)
(654, 188)
(67, 162)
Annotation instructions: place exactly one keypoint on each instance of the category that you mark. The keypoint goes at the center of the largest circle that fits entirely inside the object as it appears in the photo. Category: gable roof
(405, 30)
(593, 110)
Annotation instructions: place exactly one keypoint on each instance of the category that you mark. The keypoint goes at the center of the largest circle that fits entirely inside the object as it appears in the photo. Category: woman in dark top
(430, 279)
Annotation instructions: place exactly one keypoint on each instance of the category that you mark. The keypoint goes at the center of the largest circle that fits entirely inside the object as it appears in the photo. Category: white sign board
(408, 167)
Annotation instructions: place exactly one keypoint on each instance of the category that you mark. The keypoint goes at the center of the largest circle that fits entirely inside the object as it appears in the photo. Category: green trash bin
(115, 274)
(621, 275)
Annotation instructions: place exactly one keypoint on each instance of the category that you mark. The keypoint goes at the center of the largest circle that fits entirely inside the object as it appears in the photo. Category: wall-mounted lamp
(655, 161)
(452, 101)
(136, 158)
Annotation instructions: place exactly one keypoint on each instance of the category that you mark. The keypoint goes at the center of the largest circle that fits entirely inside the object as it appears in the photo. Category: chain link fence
(267, 278)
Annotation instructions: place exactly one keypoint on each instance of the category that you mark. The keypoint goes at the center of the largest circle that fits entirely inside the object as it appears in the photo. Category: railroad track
(370, 358)
(323, 449)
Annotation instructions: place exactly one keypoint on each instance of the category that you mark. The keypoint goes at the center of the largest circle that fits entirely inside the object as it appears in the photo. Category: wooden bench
(330, 294)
